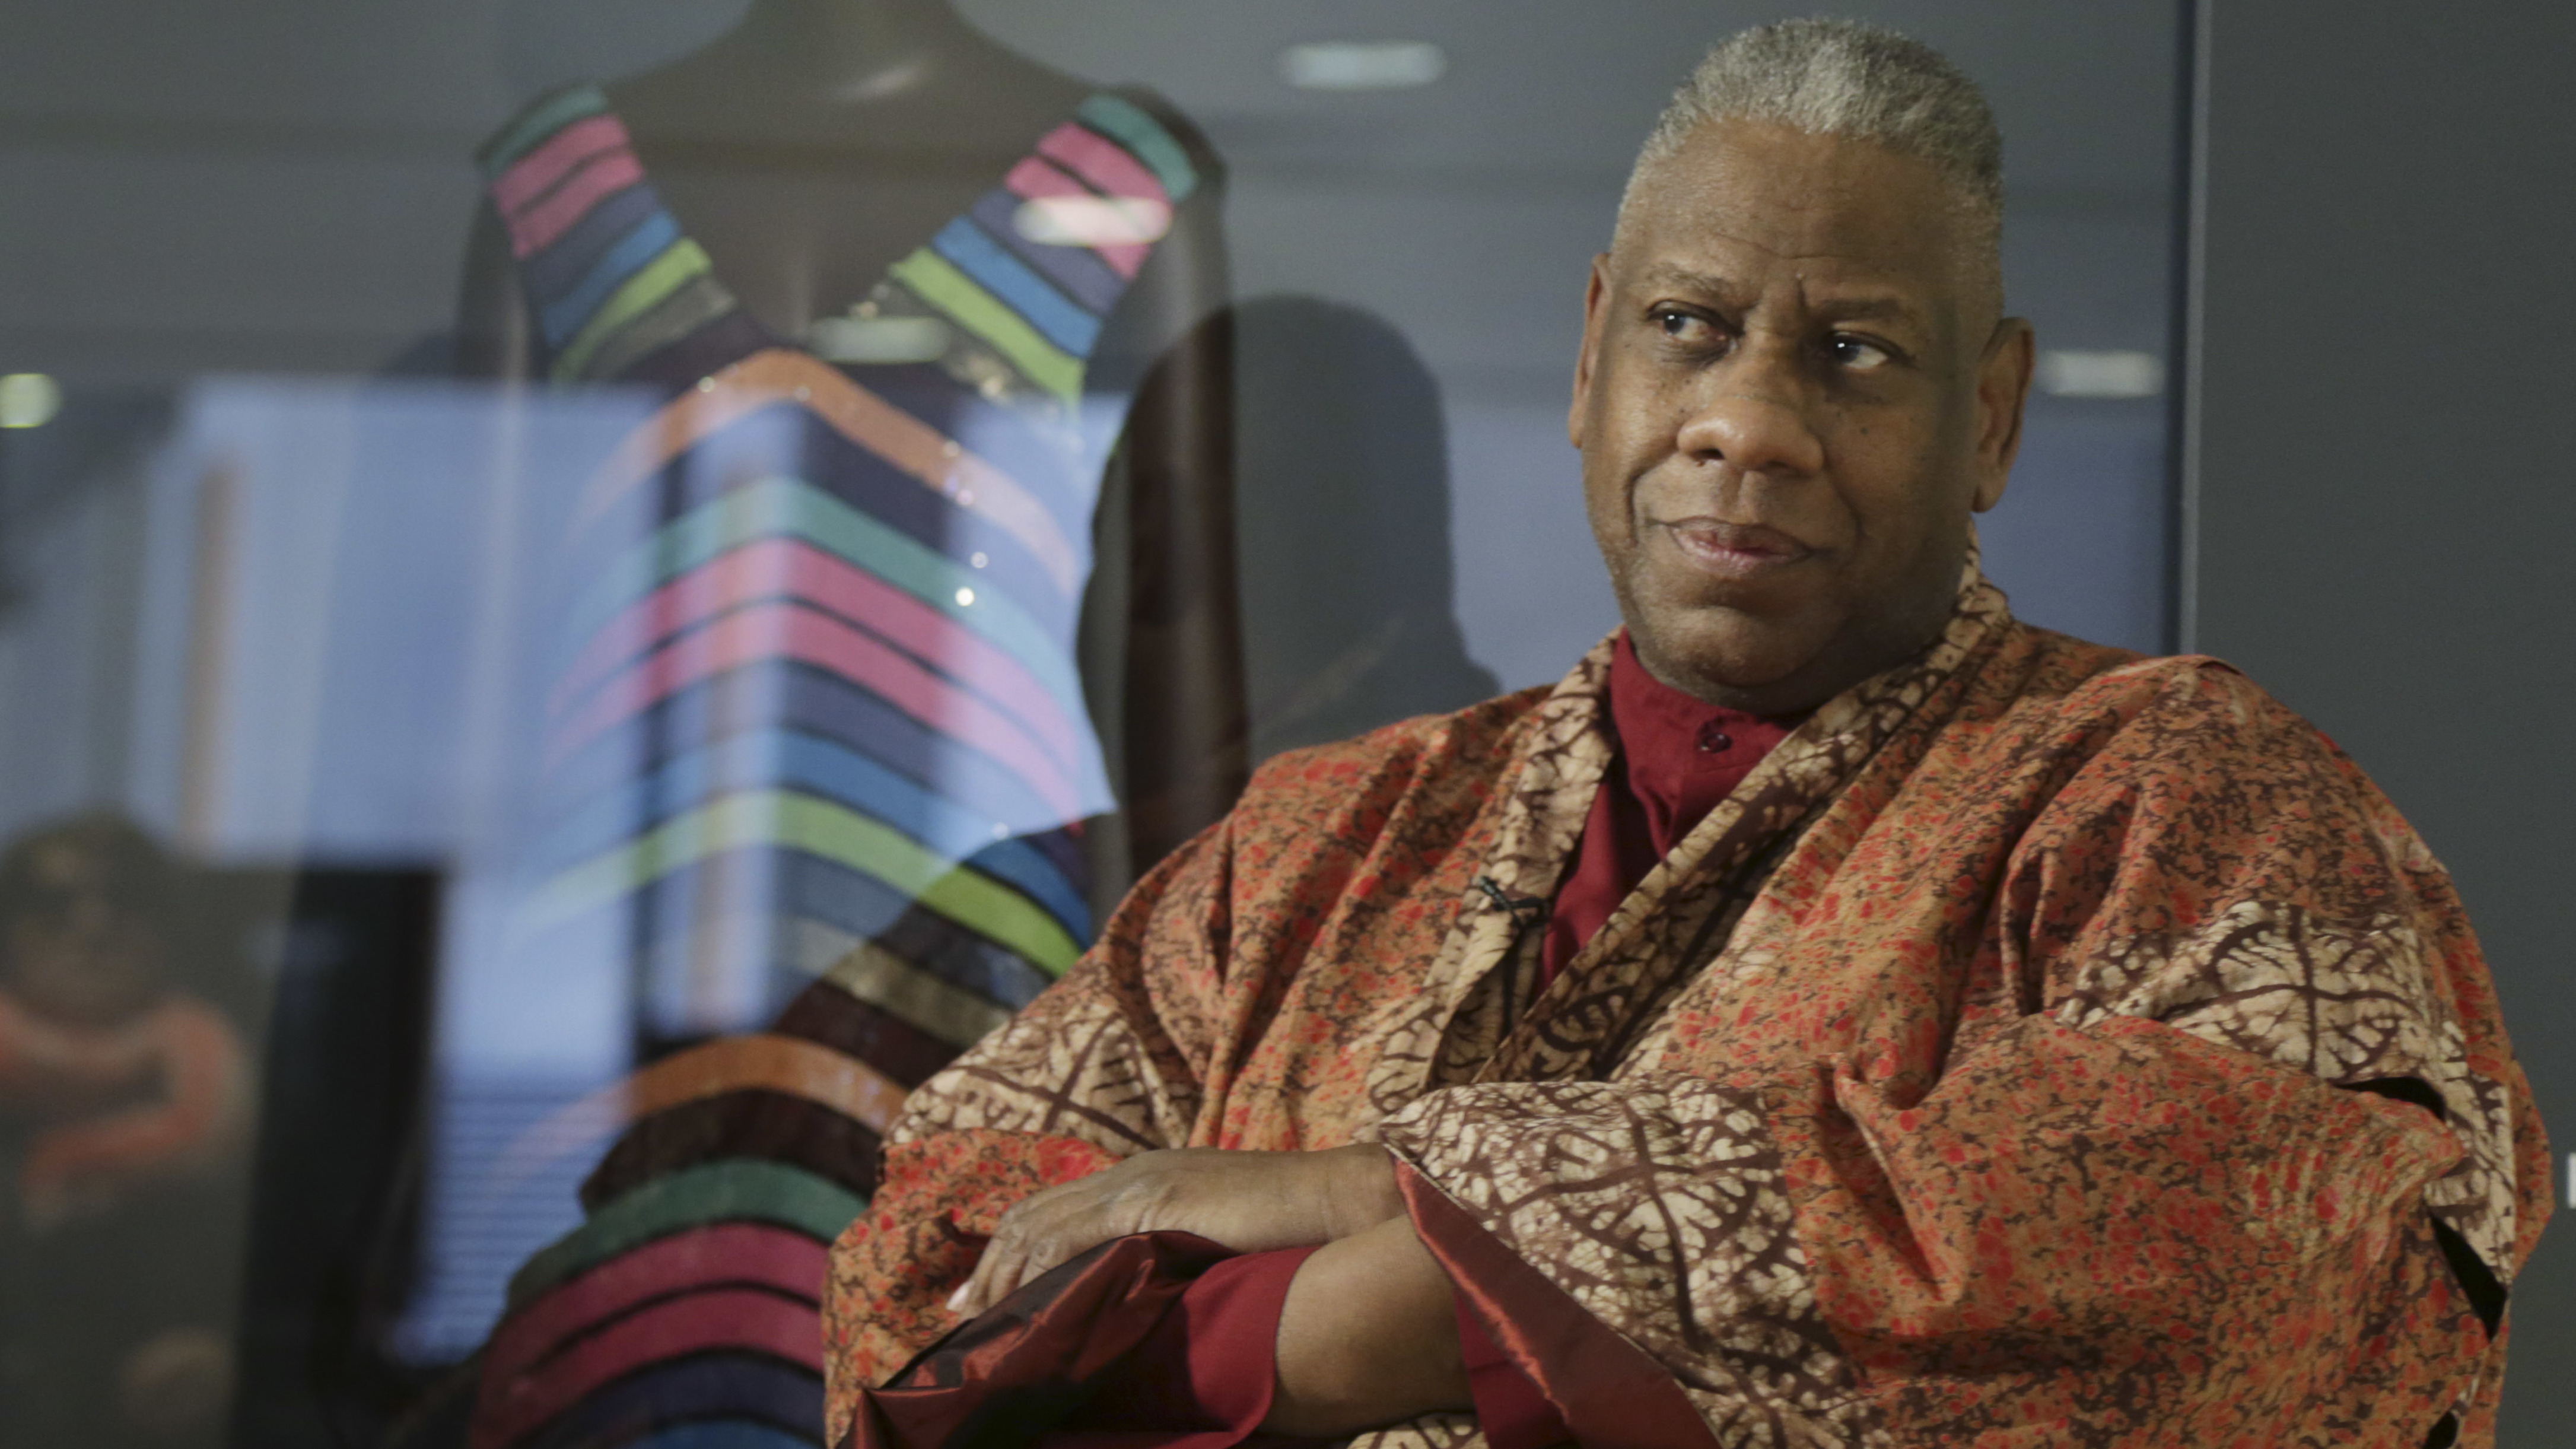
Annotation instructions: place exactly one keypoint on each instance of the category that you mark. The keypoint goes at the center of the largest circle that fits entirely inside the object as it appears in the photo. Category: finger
(972, 1296)
(980, 1292)
(1038, 1233)
(977, 1293)
(1004, 1264)
(1024, 1259)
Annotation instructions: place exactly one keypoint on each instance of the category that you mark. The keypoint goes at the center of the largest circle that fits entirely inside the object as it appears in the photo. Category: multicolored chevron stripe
(818, 729)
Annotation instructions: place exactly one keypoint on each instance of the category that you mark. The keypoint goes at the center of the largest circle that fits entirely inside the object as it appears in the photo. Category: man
(1836, 1013)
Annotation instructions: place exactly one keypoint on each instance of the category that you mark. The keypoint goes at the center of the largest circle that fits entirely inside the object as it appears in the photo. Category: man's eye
(1684, 327)
(1853, 353)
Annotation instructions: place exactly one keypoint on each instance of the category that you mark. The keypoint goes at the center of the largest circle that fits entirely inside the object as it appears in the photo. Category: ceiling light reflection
(878, 339)
(2101, 374)
(1362, 65)
(29, 400)
(1092, 221)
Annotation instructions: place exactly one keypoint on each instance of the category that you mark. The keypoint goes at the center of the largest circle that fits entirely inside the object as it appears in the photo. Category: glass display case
(532, 530)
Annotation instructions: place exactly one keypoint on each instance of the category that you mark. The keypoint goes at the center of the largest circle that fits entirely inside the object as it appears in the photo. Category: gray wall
(2386, 470)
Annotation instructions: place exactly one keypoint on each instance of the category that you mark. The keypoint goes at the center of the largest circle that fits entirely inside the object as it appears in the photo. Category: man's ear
(1587, 357)
(2003, 391)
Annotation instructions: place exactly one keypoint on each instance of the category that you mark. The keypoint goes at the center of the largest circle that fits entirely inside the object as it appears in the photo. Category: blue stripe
(561, 266)
(835, 772)
(1063, 473)
(1078, 270)
(790, 508)
(788, 886)
(767, 693)
(678, 1391)
(774, 694)
(764, 882)
(787, 440)
(1025, 868)
(1066, 325)
(636, 250)
(683, 1391)
(724, 1434)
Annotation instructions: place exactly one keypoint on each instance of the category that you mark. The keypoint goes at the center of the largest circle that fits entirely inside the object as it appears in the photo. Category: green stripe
(536, 124)
(971, 357)
(989, 317)
(1133, 127)
(769, 1192)
(870, 973)
(662, 276)
(818, 827)
(786, 507)
(700, 300)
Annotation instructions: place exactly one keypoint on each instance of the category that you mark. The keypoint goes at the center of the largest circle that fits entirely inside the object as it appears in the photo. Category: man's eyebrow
(1867, 307)
(1665, 276)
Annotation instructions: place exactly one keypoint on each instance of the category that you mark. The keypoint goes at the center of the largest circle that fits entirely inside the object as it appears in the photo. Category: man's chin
(1722, 654)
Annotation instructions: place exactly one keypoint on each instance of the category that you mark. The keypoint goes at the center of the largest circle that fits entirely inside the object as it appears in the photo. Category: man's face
(1793, 393)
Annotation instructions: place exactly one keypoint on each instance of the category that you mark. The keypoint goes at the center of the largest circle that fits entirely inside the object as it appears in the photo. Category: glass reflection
(125, 1122)
(846, 532)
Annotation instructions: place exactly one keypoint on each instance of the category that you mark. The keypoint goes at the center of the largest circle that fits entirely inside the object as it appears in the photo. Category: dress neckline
(585, 222)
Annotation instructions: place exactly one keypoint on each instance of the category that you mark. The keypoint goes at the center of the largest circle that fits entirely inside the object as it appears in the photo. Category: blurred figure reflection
(1342, 492)
(121, 1098)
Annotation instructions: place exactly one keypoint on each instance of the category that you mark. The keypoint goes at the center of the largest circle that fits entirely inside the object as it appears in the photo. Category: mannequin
(817, 143)
(808, 149)
(806, 170)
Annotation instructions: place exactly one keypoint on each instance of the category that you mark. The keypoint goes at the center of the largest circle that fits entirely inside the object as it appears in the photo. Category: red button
(1714, 741)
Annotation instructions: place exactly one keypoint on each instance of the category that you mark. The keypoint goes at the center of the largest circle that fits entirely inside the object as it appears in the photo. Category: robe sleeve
(2251, 1163)
(1103, 1066)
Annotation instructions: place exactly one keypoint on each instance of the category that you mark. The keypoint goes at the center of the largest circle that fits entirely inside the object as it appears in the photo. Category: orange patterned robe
(2044, 1045)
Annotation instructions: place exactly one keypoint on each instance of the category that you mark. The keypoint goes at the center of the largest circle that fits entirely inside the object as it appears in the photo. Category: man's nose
(1754, 415)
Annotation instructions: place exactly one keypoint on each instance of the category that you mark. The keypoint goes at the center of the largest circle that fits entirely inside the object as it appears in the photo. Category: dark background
(2379, 501)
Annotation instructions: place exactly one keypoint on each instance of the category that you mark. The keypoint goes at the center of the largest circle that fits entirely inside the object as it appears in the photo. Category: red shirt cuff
(1509, 1407)
(1209, 1369)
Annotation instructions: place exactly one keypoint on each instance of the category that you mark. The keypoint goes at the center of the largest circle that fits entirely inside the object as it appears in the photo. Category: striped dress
(817, 736)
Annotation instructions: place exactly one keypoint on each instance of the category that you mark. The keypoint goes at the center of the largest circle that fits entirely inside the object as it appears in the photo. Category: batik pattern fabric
(2042, 1045)
(817, 735)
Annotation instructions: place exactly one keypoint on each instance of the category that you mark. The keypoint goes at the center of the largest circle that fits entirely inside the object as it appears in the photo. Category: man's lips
(1734, 550)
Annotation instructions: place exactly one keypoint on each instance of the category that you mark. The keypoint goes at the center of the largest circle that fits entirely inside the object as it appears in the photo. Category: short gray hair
(1846, 78)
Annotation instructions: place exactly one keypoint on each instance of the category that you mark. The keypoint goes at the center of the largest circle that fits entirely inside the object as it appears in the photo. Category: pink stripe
(784, 568)
(1102, 164)
(1107, 167)
(785, 631)
(726, 1254)
(735, 1318)
(530, 175)
(536, 228)
(1037, 181)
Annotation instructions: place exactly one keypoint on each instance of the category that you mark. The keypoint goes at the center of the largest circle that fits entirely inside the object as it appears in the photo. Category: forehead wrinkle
(1653, 251)
(1672, 198)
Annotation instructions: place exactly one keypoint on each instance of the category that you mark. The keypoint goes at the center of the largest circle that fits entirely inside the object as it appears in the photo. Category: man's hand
(1248, 1201)
(1368, 1337)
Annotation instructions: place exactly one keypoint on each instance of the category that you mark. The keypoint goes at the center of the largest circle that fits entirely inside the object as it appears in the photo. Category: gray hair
(1845, 78)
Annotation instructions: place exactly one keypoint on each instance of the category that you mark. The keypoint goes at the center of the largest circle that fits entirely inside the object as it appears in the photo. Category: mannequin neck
(848, 50)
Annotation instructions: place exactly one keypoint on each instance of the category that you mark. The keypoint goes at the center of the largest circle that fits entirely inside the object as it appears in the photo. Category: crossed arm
(1368, 1335)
